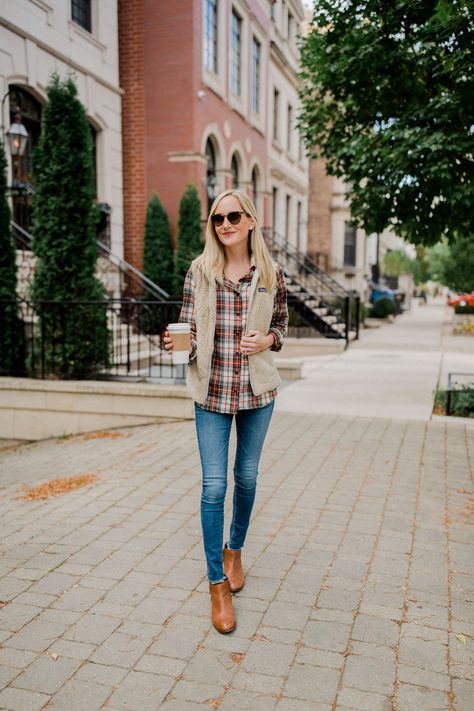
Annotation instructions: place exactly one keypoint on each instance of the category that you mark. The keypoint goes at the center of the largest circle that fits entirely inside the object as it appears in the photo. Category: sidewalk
(360, 584)
(393, 371)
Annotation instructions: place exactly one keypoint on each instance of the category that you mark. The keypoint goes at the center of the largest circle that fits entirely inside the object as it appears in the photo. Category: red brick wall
(319, 208)
(161, 74)
(132, 72)
(170, 52)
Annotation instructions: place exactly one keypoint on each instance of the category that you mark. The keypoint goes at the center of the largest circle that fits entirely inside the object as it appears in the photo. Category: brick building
(210, 97)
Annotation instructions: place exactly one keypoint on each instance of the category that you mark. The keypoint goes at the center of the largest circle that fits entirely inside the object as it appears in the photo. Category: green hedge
(463, 309)
(462, 401)
(383, 307)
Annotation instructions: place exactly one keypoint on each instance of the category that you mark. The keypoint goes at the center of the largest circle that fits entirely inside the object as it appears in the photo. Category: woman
(235, 301)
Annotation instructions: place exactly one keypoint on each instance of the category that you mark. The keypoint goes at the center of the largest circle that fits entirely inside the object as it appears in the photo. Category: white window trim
(258, 120)
(216, 82)
(276, 140)
(239, 103)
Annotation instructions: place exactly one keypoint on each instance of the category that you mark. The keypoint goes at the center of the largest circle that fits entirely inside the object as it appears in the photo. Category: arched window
(234, 169)
(211, 179)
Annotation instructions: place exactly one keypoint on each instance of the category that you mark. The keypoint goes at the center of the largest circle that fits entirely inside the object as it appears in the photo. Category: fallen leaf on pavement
(56, 487)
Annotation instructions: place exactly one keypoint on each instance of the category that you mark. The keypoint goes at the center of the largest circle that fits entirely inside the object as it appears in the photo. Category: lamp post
(17, 136)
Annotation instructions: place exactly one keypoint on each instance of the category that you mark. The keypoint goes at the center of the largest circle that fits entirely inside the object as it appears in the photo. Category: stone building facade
(40, 37)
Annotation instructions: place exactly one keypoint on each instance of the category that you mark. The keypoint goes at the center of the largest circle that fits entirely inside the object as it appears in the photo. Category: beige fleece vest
(263, 373)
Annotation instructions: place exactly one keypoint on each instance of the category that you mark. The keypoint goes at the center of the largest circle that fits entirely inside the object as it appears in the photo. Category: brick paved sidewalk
(360, 585)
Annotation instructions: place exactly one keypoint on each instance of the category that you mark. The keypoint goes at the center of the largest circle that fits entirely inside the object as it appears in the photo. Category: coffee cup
(180, 334)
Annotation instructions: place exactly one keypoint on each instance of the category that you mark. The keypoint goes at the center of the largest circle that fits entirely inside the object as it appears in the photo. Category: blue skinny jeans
(213, 433)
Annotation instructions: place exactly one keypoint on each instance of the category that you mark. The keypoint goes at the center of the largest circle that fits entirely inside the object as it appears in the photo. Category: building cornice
(59, 55)
(283, 63)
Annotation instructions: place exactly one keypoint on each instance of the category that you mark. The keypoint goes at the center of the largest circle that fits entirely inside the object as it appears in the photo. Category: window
(234, 169)
(349, 245)
(273, 10)
(287, 218)
(210, 36)
(276, 101)
(289, 127)
(256, 60)
(274, 208)
(236, 54)
(81, 13)
(290, 27)
(298, 226)
(300, 147)
(211, 173)
(255, 186)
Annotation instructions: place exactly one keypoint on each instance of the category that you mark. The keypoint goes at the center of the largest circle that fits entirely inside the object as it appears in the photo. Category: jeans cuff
(227, 545)
(216, 582)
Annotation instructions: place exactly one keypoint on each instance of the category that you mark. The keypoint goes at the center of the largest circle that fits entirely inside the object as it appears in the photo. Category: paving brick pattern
(360, 565)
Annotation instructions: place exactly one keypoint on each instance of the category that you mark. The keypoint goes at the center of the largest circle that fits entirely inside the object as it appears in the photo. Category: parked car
(463, 299)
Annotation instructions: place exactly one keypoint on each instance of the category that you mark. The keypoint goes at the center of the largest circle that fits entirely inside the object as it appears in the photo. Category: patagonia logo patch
(262, 288)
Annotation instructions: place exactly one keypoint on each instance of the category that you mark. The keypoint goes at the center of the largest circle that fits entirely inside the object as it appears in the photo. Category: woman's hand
(254, 342)
(167, 342)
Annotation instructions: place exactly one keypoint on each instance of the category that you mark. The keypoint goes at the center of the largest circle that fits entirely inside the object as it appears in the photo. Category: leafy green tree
(437, 258)
(189, 243)
(397, 262)
(459, 266)
(75, 337)
(158, 247)
(387, 99)
(11, 326)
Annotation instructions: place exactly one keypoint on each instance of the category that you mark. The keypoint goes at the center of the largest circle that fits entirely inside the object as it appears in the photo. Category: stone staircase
(314, 294)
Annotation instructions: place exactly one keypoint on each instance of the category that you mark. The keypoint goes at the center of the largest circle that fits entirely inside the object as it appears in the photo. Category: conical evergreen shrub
(189, 242)
(11, 326)
(158, 263)
(158, 246)
(75, 339)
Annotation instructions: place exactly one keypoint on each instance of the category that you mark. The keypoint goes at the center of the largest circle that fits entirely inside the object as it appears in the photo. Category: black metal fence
(117, 338)
(460, 394)
(334, 315)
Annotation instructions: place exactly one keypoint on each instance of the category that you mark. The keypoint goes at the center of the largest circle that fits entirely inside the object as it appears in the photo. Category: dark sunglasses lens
(233, 217)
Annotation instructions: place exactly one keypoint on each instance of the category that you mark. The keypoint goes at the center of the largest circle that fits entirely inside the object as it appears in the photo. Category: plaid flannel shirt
(229, 384)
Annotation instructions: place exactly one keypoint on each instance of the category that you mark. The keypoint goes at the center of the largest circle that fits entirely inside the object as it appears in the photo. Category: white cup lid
(179, 327)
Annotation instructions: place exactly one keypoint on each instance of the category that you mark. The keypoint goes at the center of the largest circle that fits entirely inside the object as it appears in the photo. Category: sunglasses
(233, 217)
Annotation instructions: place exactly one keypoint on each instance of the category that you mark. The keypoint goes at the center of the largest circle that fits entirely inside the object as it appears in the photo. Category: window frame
(350, 248)
(236, 55)
(88, 10)
(256, 75)
(214, 40)
(276, 115)
(289, 127)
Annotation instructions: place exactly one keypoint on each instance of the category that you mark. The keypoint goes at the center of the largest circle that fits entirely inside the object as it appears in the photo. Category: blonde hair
(212, 259)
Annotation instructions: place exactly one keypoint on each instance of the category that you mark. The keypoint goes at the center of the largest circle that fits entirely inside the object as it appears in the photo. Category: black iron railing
(315, 295)
(130, 277)
(117, 338)
(301, 266)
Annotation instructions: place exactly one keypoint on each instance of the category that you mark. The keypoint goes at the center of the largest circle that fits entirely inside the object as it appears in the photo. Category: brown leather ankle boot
(233, 569)
(222, 612)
